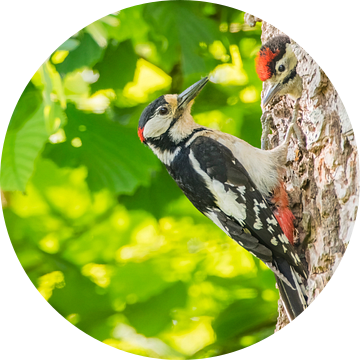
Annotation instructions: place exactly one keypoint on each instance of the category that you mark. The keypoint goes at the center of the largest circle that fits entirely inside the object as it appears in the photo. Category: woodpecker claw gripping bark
(237, 186)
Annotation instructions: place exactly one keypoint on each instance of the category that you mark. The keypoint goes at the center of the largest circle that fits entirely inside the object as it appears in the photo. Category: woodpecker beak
(270, 93)
(190, 93)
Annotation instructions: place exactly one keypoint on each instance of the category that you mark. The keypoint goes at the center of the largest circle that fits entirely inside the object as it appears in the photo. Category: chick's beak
(270, 92)
(190, 93)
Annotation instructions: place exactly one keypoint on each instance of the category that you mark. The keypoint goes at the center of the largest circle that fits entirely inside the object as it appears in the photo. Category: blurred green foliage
(98, 225)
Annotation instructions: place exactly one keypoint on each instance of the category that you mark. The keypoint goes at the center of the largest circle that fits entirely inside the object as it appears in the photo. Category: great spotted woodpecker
(234, 184)
(276, 65)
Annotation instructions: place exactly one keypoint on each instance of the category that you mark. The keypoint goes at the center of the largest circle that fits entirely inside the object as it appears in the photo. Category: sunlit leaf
(21, 148)
(69, 45)
(29, 102)
(131, 25)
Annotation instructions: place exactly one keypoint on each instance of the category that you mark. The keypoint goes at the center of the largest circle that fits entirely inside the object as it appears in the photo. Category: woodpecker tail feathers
(292, 290)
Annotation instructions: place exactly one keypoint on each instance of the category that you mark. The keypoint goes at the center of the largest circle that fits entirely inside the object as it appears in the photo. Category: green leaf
(131, 25)
(28, 103)
(79, 296)
(84, 55)
(183, 36)
(146, 197)
(153, 316)
(243, 316)
(21, 148)
(127, 278)
(113, 155)
(117, 67)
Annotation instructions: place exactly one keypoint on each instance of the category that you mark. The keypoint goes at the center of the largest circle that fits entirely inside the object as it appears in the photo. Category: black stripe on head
(149, 111)
(290, 76)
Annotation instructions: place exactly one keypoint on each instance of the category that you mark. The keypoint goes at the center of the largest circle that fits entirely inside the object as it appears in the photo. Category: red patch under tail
(283, 214)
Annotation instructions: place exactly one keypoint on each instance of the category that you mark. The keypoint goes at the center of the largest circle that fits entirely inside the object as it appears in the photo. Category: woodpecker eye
(281, 68)
(163, 111)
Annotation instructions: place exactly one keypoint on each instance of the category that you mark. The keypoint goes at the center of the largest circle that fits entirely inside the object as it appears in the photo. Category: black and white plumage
(229, 181)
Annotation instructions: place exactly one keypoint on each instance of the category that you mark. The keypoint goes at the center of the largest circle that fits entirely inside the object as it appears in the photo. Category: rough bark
(322, 178)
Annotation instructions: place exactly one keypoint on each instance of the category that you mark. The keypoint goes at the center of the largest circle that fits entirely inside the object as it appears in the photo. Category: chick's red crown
(263, 61)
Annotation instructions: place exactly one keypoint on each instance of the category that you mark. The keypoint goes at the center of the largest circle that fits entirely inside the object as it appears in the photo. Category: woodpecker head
(276, 66)
(168, 118)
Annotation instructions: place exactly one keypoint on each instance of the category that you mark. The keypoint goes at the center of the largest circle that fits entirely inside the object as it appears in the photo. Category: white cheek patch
(289, 60)
(156, 126)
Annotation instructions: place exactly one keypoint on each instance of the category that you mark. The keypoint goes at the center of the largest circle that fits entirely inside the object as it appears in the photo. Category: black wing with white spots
(239, 207)
(240, 210)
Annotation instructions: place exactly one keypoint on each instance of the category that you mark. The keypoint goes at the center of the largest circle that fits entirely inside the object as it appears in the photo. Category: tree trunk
(322, 178)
